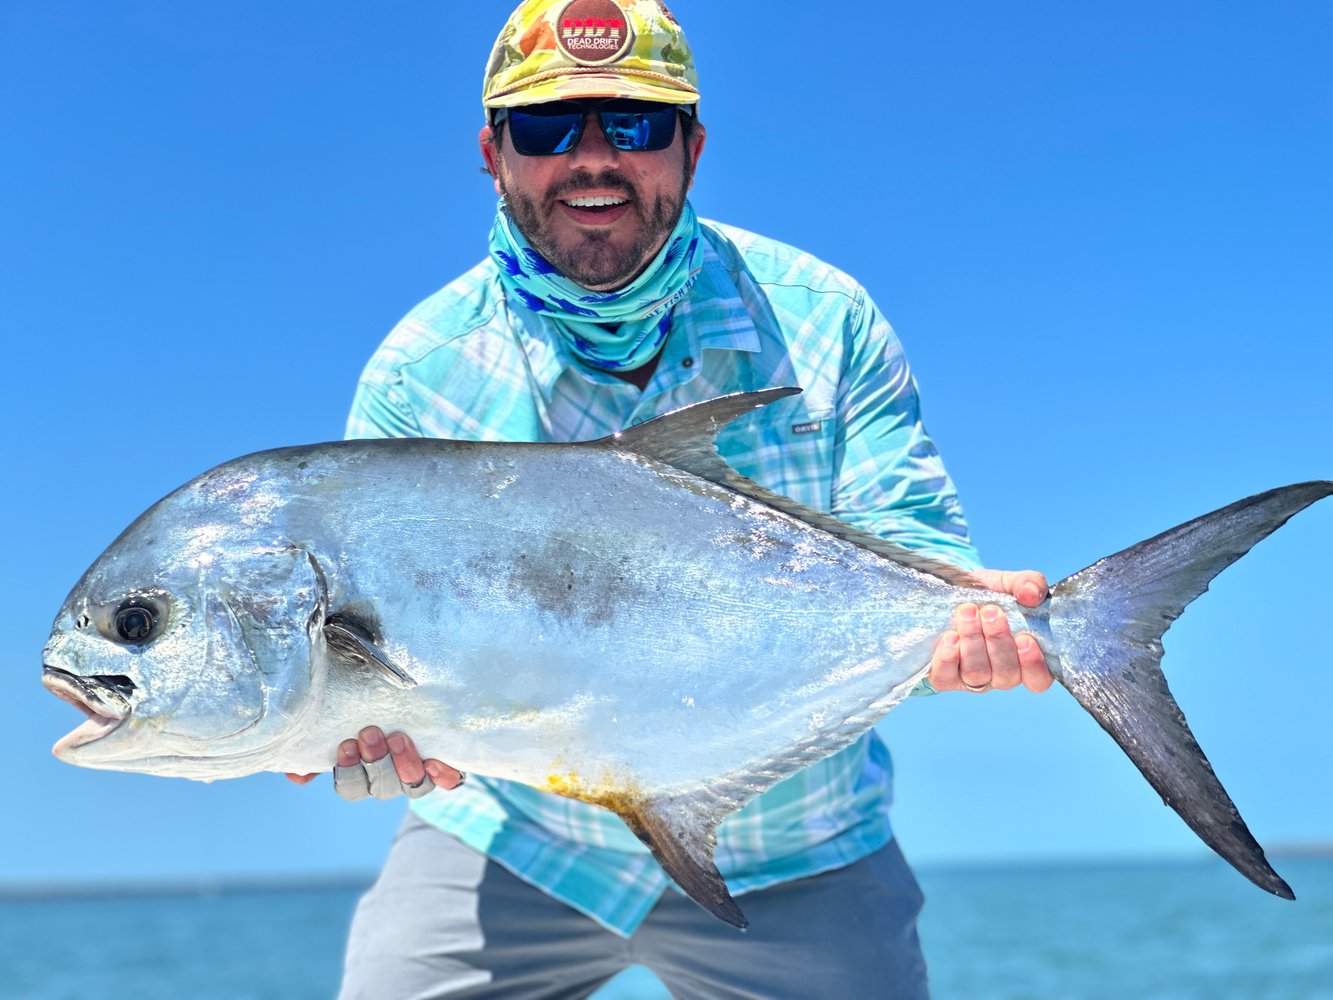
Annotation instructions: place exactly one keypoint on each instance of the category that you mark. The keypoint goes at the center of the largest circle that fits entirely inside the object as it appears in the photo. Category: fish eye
(135, 622)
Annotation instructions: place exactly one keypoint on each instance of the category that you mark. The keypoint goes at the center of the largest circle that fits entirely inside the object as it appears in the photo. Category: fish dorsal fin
(686, 439)
(681, 836)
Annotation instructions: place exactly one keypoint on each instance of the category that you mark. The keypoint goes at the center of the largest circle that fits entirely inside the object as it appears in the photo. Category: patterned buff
(613, 331)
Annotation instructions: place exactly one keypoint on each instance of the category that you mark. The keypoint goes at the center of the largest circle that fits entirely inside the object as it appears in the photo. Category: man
(604, 301)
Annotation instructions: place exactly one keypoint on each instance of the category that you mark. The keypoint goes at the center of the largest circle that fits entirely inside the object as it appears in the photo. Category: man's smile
(595, 209)
(597, 201)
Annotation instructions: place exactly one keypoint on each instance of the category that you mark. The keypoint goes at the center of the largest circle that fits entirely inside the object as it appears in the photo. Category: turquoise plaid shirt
(470, 364)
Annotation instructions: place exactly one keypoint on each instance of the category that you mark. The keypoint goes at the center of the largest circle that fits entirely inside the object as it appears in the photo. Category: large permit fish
(627, 622)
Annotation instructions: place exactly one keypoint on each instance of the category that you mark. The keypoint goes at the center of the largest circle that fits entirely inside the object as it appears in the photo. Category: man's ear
(697, 139)
(491, 154)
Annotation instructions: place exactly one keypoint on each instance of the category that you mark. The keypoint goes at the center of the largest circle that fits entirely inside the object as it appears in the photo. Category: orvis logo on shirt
(809, 427)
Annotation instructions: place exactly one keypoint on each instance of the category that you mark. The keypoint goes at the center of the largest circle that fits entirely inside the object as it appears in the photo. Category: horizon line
(218, 885)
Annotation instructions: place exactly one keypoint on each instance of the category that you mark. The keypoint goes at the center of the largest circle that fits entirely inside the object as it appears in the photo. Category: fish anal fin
(682, 838)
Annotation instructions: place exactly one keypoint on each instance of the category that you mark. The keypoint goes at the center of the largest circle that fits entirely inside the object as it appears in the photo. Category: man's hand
(373, 765)
(980, 653)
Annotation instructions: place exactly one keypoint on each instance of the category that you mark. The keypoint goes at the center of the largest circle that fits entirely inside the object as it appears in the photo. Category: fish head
(189, 645)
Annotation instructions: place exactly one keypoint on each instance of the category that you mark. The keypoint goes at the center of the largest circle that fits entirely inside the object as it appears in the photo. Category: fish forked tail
(1107, 622)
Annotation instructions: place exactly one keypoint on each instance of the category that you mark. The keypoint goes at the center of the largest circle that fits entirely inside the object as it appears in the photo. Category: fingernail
(969, 612)
(990, 614)
(1031, 593)
(396, 743)
(348, 753)
(373, 740)
(1024, 643)
(950, 638)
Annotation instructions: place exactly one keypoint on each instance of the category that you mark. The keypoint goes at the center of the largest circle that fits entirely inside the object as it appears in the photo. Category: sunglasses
(555, 128)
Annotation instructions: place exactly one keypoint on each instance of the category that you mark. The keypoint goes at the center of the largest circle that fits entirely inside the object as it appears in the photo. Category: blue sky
(1103, 233)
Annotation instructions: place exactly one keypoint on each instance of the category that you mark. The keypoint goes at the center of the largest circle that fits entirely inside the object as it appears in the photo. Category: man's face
(597, 213)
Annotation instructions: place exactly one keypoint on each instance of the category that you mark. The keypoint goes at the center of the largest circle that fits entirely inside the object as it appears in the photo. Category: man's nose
(593, 147)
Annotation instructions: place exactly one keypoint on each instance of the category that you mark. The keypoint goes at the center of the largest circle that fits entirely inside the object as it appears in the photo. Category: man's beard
(594, 262)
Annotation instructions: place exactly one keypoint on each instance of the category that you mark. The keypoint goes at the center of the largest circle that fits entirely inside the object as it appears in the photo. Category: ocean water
(1151, 932)
(1190, 930)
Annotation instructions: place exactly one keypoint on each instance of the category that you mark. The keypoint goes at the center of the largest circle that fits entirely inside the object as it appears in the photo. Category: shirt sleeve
(888, 476)
(380, 411)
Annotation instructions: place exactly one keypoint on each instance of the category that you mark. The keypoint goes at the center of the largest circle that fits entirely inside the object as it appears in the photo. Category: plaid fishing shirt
(469, 364)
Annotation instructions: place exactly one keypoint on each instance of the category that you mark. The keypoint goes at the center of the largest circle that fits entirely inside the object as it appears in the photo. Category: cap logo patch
(593, 32)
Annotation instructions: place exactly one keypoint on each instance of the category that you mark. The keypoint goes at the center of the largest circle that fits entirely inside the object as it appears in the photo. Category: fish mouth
(103, 698)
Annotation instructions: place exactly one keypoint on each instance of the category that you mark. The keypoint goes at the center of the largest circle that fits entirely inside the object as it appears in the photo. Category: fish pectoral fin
(353, 640)
(682, 837)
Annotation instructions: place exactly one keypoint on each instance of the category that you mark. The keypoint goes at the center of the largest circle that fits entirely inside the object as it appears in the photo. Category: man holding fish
(604, 301)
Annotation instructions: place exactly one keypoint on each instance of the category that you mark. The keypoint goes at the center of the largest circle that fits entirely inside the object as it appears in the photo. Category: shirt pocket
(787, 447)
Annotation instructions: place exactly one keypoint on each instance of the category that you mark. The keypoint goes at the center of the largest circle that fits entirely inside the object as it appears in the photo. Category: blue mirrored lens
(639, 130)
(546, 134)
(551, 129)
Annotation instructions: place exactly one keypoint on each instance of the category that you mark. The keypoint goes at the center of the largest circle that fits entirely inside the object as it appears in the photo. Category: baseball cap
(559, 50)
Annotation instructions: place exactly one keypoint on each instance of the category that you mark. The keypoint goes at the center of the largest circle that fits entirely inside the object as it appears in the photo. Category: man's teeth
(600, 201)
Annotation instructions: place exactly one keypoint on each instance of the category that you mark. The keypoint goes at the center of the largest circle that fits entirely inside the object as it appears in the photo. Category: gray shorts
(442, 921)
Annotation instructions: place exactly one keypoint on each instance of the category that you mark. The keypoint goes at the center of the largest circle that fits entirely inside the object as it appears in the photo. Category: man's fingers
(417, 776)
(355, 779)
(423, 787)
(982, 653)
(974, 670)
(445, 776)
(1004, 667)
(383, 779)
(1031, 588)
(1032, 664)
(406, 760)
(1028, 586)
(943, 675)
(384, 765)
(349, 753)
(351, 782)
(376, 766)
(372, 744)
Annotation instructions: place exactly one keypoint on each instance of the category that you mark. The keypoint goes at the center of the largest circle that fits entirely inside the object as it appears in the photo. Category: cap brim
(572, 86)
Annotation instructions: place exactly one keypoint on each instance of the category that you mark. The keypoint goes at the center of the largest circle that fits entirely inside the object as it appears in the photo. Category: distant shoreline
(1317, 850)
(173, 887)
(206, 886)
